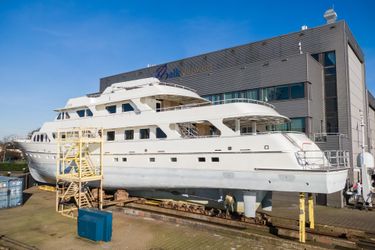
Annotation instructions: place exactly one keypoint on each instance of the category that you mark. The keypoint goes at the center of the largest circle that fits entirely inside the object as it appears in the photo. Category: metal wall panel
(315, 40)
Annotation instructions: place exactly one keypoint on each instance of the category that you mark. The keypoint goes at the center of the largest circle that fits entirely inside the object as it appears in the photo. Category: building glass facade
(328, 60)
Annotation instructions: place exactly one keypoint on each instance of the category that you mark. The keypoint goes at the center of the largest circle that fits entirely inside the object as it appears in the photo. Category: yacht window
(158, 106)
(160, 133)
(126, 107)
(111, 109)
(67, 116)
(37, 138)
(174, 159)
(81, 113)
(124, 159)
(110, 135)
(59, 116)
(34, 138)
(129, 134)
(215, 159)
(88, 112)
(115, 159)
(144, 133)
(201, 159)
(152, 159)
(62, 115)
(297, 91)
(54, 135)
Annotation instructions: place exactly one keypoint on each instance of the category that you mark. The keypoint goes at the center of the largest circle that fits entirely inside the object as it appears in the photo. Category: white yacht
(164, 138)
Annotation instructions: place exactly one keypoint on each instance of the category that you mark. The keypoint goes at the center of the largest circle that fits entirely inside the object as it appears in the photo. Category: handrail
(176, 85)
(220, 102)
(326, 160)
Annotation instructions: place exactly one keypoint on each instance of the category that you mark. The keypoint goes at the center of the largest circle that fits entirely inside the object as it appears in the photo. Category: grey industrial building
(315, 76)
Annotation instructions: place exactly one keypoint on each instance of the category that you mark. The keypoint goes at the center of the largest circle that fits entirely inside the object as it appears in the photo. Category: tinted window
(268, 94)
(129, 134)
(297, 91)
(201, 159)
(282, 93)
(160, 133)
(158, 106)
(298, 124)
(215, 159)
(252, 94)
(81, 113)
(67, 116)
(144, 133)
(110, 135)
(329, 58)
(88, 112)
(173, 159)
(315, 56)
(111, 109)
(126, 107)
(59, 116)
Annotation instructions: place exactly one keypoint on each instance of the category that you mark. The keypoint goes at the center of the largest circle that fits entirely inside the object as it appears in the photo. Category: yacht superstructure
(161, 136)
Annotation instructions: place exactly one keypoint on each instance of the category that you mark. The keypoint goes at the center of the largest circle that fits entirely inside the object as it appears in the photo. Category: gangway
(76, 170)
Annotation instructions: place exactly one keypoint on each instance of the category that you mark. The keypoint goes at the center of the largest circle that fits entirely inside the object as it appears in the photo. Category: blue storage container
(3, 201)
(11, 191)
(104, 215)
(91, 227)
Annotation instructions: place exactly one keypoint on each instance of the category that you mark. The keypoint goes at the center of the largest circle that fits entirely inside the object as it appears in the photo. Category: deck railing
(176, 85)
(220, 102)
(326, 160)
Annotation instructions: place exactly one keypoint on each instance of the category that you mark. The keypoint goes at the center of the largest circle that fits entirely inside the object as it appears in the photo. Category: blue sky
(53, 50)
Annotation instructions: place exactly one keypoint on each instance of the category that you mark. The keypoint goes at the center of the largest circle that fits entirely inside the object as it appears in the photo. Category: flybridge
(142, 83)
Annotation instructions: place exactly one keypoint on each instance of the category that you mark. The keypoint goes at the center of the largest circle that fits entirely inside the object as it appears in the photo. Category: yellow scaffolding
(76, 170)
(302, 215)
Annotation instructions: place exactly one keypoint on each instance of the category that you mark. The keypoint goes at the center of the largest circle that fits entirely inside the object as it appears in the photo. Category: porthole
(173, 159)
(152, 159)
(266, 147)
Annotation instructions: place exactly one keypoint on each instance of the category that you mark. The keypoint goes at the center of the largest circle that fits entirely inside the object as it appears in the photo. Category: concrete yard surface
(37, 224)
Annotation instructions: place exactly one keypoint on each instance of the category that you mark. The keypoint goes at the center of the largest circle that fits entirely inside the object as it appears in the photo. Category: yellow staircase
(75, 170)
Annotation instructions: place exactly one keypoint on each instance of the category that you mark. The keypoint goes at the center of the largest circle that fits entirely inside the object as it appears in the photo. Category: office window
(298, 124)
(144, 133)
(111, 109)
(297, 91)
(268, 94)
(81, 113)
(129, 134)
(88, 112)
(160, 133)
(252, 94)
(126, 107)
(282, 93)
(330, 58)
(110, 135)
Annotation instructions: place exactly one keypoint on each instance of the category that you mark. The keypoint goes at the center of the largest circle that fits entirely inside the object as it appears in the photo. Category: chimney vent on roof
(304, 27)
(330, 15)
